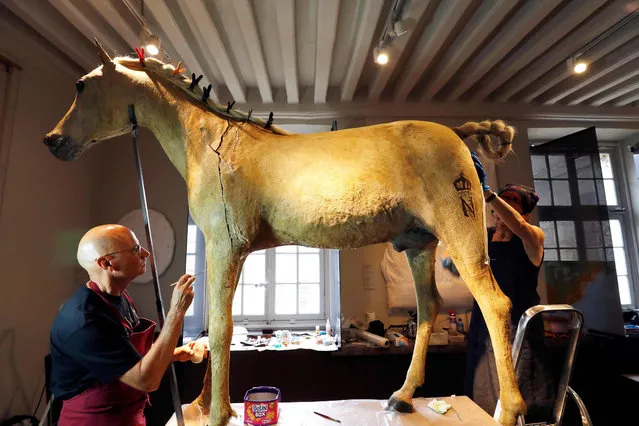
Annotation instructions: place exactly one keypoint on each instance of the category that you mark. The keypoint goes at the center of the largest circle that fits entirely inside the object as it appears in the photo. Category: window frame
(622, 212)
(197, 324)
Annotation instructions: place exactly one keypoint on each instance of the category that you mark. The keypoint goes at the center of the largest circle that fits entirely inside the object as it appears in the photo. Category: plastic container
(452, 319)
(261, 405)
(328, 327)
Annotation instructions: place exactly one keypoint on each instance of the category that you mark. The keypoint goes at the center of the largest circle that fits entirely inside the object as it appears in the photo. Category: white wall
(46, 205)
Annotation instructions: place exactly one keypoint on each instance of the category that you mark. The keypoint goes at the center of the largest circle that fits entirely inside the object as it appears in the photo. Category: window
(571, 199)
(282, 284)
(288, 286)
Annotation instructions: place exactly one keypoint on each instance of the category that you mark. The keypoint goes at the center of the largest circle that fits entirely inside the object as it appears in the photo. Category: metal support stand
(156, 281)
(563, 388)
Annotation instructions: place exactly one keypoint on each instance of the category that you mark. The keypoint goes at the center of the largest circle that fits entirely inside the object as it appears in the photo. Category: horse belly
(340, 223)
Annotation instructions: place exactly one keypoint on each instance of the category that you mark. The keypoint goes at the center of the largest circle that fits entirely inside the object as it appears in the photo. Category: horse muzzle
(63, 147)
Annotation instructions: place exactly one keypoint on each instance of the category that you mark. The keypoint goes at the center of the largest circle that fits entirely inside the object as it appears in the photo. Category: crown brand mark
(464, 187)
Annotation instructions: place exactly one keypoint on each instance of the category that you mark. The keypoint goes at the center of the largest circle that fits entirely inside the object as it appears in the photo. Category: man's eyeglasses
(135, 250)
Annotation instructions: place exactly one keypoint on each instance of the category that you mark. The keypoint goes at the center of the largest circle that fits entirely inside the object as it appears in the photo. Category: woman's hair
(523, 195)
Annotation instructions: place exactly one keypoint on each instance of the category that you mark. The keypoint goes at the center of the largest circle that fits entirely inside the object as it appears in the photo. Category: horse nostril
(53, 140)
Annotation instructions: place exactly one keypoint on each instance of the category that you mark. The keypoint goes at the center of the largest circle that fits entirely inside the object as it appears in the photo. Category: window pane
(584, 167)
(254, 298)
(285, 299)
(566, 233)
(611, 192)
(285, 268)
(550, 254)
(237, 301)
(605, 226)
(601, 192)
(592, 233)
(620, 261)
(561, 193)
(587, 193)
(190, 264)
(191, 234)
(255, 269)
(606, 166)
(624, 290)
(542, 187)
(309, 268)
(550, 239)
(540, 171)
(308, 249)
(595, 254)
(568, 254)
(610, 255)
(615, 231)
(309, 299)
(286, 249)
(557, 165)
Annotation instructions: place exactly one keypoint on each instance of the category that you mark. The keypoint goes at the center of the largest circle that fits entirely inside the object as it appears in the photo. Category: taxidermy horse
(252, 186)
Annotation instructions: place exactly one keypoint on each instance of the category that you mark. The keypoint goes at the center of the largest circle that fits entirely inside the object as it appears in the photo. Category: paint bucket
(261, 405)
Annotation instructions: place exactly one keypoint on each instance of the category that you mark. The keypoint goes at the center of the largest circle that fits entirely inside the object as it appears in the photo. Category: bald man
(104, 360)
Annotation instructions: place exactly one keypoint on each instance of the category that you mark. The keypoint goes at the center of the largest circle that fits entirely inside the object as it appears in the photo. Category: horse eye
(79, 85)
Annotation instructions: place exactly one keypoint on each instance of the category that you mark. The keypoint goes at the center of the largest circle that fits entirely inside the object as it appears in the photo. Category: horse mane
(166, 73)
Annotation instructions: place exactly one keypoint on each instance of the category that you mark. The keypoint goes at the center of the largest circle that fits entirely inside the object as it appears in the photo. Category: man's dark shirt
(89, 345)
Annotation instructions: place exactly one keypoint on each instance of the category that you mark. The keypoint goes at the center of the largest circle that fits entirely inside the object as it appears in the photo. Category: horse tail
(481, 133)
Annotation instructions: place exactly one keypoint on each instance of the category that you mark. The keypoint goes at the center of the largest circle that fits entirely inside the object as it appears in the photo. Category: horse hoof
(401, 406)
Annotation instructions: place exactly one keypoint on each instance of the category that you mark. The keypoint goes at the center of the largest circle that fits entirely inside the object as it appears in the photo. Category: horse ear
(104, 56)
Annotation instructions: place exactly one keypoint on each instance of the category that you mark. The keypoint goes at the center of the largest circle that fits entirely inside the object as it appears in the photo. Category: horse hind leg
(422, 265)
(466, 248)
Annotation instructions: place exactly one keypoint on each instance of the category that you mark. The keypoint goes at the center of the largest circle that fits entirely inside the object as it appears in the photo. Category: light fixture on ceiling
(149, 41)
(381, 54)
(578, 62)
(394, 27)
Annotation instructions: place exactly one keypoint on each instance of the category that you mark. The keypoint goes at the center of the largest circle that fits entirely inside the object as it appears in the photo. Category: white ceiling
(319, 51)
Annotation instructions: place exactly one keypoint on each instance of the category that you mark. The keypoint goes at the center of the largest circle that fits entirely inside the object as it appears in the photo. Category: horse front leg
(223, 269)
(422, 265)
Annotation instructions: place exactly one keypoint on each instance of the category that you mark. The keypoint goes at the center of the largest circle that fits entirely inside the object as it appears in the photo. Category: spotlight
(576, 65)
(580, 67)
(400, 27)
(381, 55)
(150, 42)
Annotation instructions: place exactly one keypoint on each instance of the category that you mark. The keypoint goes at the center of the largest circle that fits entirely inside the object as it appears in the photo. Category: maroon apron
(113, 403)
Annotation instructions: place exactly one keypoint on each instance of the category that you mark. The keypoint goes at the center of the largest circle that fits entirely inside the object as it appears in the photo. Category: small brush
(199, 273)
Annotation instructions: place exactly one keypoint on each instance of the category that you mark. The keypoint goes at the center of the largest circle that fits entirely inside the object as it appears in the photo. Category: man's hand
(182, 294)
(192, 351)
(481, 173)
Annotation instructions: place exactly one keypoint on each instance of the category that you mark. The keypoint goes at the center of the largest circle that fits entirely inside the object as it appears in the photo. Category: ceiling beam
(415, 12)
(565, 48)
(512, 32)
(615, 92)
(89, 29)
(327, 17)
(554, 30)
(604, 83)
(435, 34)
(555, 115)
(212, 45)
(488, 15)
(165, 19)
(286, 29)
(574, 82)
(627, 99)
(59, 33)
(363, 39)
(113, 17)
(246, 22)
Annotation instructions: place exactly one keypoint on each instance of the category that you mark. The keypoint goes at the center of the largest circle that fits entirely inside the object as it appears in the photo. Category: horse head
(99, 111)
